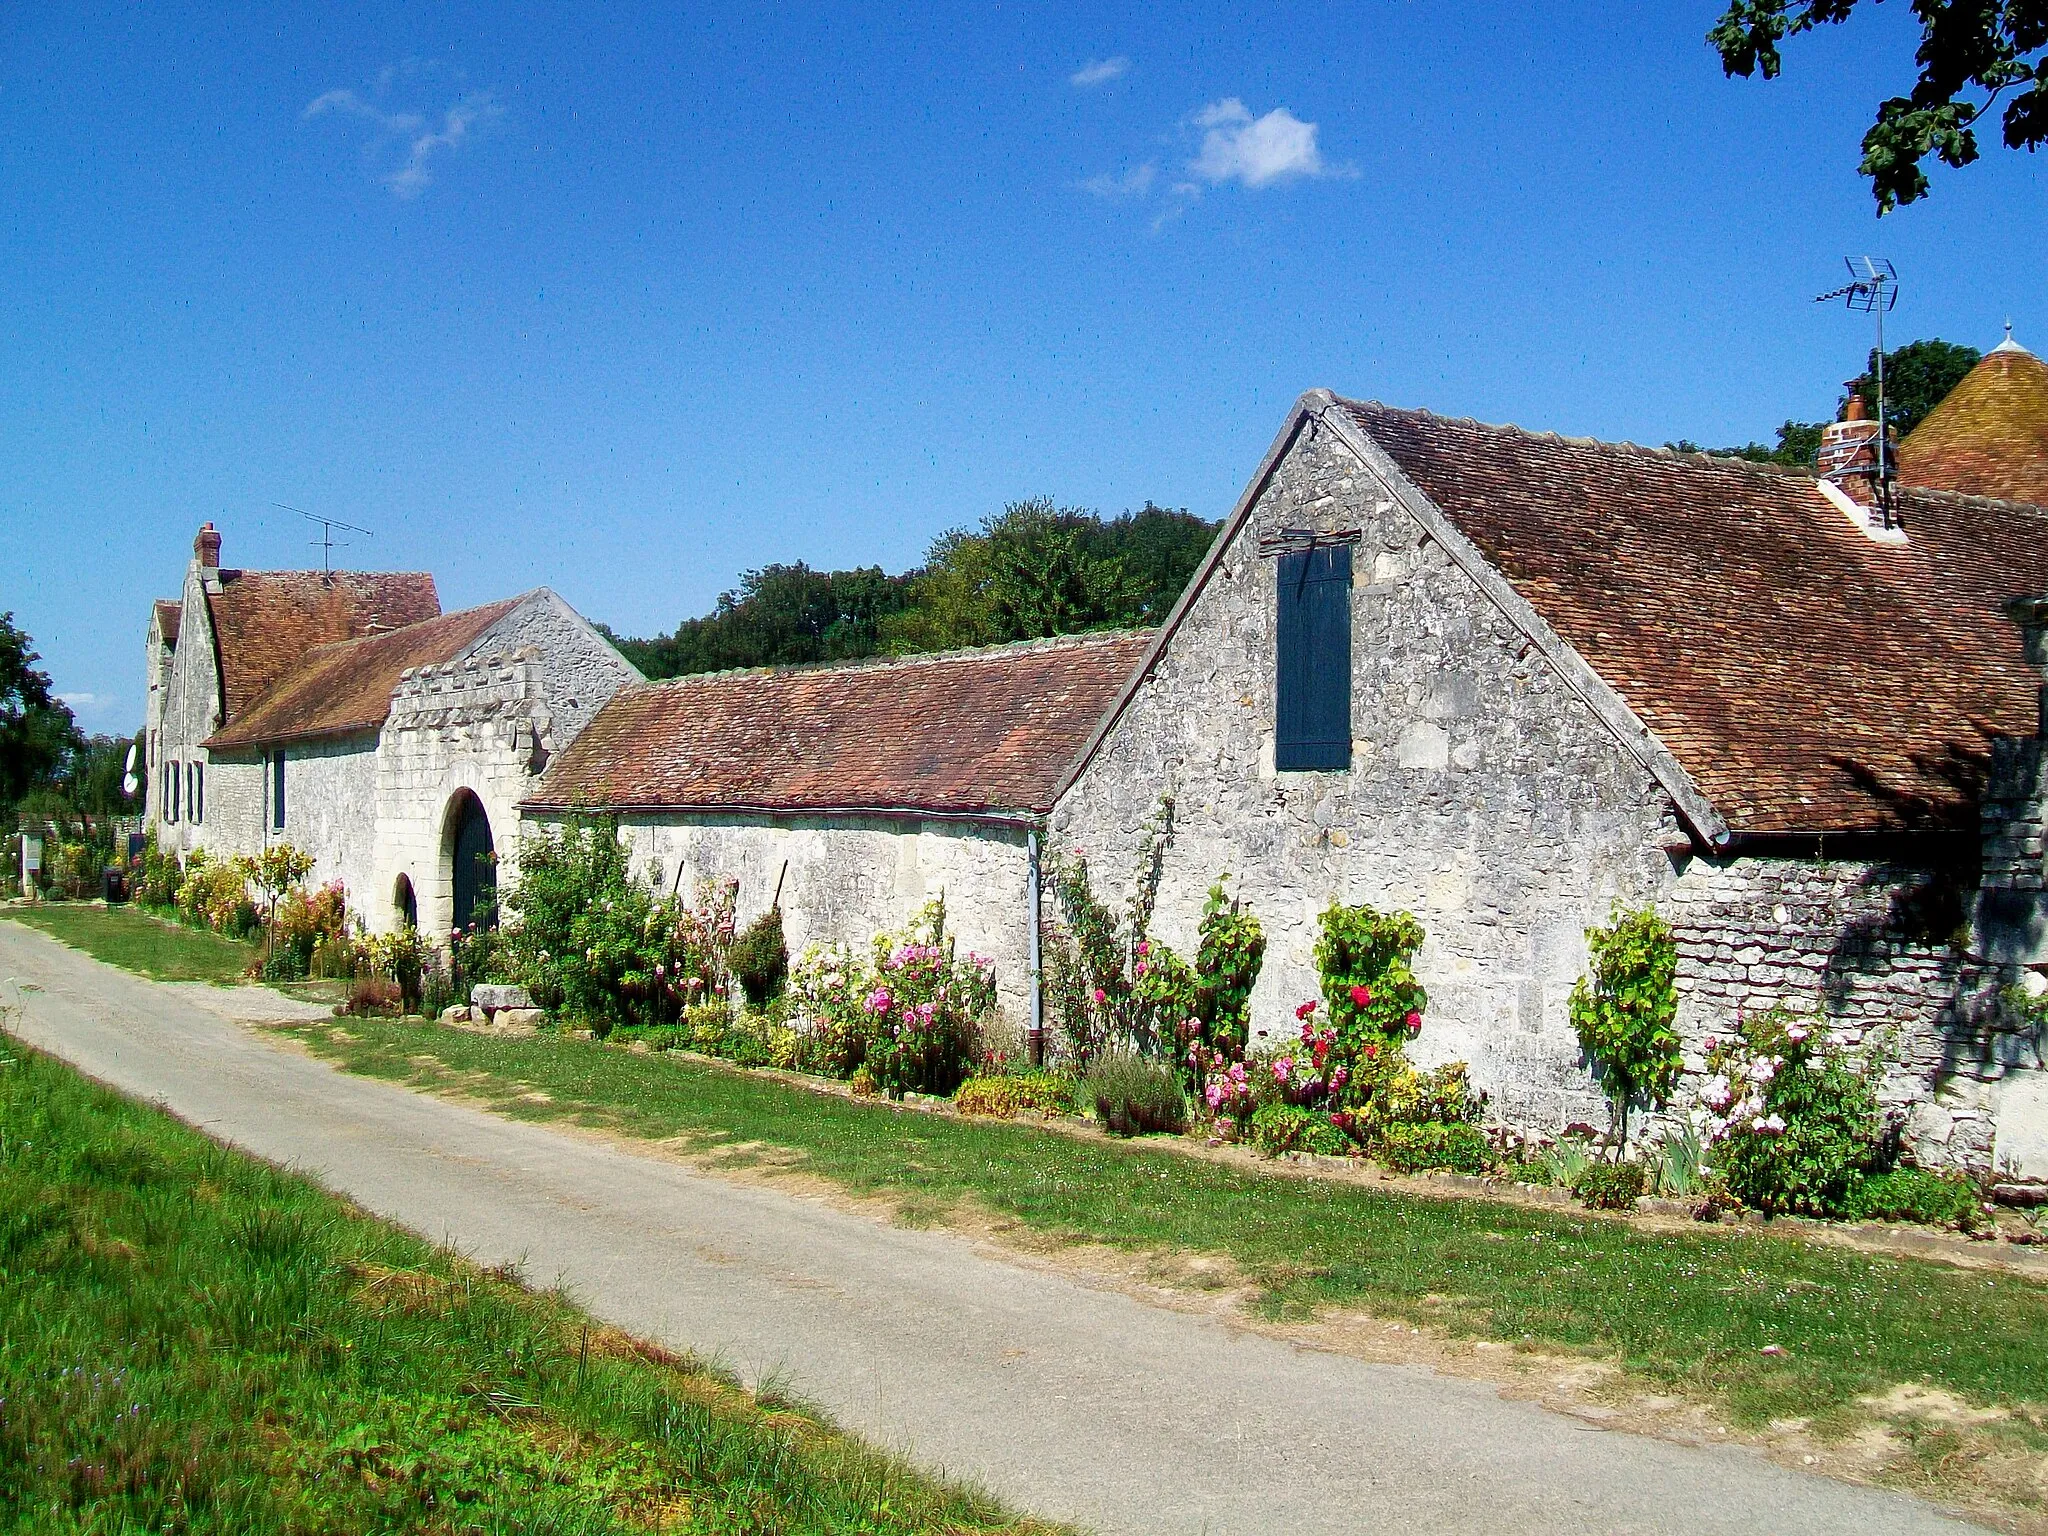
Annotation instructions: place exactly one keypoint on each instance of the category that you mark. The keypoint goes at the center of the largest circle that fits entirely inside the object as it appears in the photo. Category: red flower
(1413, 1021)
(1305, 1009)
(1361, 997)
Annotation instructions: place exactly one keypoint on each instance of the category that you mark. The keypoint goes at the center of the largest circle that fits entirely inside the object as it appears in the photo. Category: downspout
(1035, 1039)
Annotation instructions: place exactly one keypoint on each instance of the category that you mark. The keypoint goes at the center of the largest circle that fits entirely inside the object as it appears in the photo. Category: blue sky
(625, 303)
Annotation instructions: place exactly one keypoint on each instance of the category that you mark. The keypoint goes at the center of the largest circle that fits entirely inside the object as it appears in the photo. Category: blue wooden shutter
(1312, 726)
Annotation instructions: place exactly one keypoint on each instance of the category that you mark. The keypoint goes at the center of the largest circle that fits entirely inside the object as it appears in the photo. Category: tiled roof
(346, 687)
(1990, 436)
(967, 732)
(1808, 678)
(264, 622)
(169, 610)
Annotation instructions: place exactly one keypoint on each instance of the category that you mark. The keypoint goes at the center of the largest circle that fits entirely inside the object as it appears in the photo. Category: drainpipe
(1035, 1039)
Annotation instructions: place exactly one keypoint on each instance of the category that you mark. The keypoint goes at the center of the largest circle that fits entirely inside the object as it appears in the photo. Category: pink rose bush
(909, 1013)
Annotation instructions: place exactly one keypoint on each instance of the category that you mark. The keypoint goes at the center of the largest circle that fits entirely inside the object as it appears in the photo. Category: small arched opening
(472, 862)
(405, 903)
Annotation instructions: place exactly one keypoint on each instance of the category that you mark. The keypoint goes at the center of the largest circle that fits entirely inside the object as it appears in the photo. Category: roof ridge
(400, 629)
(1079, 640)
(1972, 499)
(1622, 445)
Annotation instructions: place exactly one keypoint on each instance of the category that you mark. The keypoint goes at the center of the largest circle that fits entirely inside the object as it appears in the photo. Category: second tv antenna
(326, 540)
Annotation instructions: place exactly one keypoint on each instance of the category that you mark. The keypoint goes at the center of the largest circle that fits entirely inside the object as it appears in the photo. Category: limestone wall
(1870, 947)
(191, 713)
(482, 725)
(1484, 795)
(850, 878)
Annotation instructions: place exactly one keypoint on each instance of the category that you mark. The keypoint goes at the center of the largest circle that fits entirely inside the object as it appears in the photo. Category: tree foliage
(1623, 1011)
(37, 733)
(1970, 56)
(1031, 571)
(1917, 378)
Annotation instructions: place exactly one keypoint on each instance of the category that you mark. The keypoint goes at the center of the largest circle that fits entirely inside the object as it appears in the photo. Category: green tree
(1970, 55)
(1623, 1011)
(37, 733)
(1917, 378)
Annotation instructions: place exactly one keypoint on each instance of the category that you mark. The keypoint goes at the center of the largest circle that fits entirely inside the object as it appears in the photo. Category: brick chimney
(207, 548)
(1848, 453)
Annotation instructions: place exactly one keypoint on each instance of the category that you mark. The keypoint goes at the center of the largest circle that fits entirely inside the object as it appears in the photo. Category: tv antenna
(326, 541)
(1873, 288)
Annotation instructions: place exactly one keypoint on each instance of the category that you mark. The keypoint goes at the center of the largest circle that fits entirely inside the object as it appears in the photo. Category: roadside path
(1075, 1403)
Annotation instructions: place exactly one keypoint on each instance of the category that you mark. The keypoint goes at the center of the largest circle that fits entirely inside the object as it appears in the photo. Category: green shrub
(1623, 1011)
(1610, 1186)
(759, 958)
(1278, 1128)
(1794, 1122)
(1415, 1147)
(1227, 963)
(910, 1014)
(156, 884)
(333, 959)
(1133, 1095)
(1006, 1096)
(1366, 960)
(1914, 1194)
(663, 1037)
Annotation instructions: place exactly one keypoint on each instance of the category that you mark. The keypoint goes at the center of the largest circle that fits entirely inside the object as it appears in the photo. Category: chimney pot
(1854, 410)
(207, 547)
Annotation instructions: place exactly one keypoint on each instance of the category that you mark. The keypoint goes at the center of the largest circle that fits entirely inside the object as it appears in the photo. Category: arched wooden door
(475, 873)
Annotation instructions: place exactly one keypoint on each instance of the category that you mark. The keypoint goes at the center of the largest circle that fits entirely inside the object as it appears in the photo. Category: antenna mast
(1873, 287)
(326, 542)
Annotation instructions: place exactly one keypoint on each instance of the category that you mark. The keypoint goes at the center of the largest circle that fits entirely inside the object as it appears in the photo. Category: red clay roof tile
(343, 688)
(1807, 678)
(968, 732)
(264, 622)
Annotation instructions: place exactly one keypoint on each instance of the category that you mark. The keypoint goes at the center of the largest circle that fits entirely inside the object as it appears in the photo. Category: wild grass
(135, 941)
(195, 1341)
(1689, 1310)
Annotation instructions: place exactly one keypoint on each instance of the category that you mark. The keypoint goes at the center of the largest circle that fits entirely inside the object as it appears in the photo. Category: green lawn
(1691, 1311)
(135, 941)
(194, 1341)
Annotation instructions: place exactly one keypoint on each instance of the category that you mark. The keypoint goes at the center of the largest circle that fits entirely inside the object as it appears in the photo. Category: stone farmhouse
(343, 712)
(1505, 680)
(853, 794)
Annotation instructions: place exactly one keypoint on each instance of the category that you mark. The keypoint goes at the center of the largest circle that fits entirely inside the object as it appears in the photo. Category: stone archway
(405, 903)
(470, 858)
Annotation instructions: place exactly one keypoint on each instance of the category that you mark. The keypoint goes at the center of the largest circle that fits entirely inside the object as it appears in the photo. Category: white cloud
(79, 700)
(457, 124)
(1257, 151)
(1135, 182)
(1100, 72)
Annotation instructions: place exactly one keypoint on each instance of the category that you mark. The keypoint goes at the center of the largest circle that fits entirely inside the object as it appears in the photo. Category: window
(277, 791)
(176, 778)
(1312, 717)
(195, 799)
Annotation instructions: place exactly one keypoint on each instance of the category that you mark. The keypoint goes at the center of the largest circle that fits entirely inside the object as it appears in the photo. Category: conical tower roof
(1990, 436)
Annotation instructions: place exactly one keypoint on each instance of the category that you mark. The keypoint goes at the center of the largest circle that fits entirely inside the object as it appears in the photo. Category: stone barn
(1505, 680)
(858, 792)
(343, 713)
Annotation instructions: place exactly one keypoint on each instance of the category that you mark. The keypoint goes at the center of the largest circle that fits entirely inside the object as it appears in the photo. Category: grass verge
(194, 1341)
(1762, 1327)
(136, 941)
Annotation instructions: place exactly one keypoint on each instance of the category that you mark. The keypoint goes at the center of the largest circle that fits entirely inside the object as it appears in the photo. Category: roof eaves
(1613, 711)
(1024, 819)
